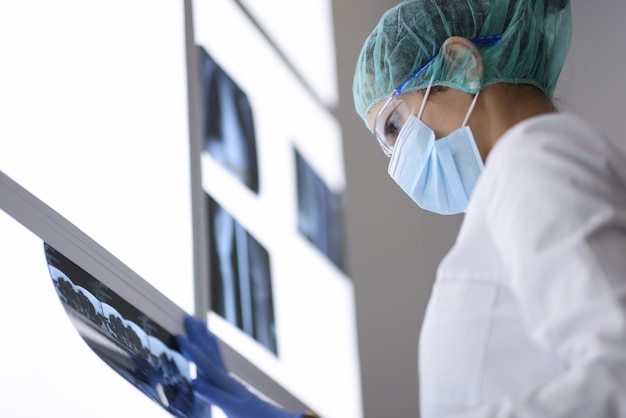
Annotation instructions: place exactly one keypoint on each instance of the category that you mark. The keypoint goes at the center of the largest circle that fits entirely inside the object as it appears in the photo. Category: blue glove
(214, 385)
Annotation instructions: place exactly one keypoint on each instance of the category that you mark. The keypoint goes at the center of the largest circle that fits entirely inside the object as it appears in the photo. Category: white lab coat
(528, 313)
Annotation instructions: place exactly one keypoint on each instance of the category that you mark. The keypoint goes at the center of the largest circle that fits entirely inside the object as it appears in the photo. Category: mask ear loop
(469, 112)
(430, 84)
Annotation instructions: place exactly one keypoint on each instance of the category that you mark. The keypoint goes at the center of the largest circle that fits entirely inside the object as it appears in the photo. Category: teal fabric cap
(535, 37)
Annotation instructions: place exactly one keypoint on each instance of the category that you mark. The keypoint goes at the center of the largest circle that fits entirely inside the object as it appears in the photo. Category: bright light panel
(93, 103)
(48, 368)
(304, 32)
(313, 299)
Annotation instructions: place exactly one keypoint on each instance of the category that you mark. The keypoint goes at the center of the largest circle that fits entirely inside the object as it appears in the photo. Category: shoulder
(555, 145)
(552, 133)
(550, 166)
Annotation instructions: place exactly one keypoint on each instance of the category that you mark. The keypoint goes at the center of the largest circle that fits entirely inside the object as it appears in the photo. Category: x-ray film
(129, 341)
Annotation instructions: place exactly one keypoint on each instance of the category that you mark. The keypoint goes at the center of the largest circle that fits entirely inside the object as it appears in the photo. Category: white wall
(394, 246)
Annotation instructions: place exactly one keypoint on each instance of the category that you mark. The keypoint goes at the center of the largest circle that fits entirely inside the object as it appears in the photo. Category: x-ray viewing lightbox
(95, 124)
(306, 37)
(127, 323)
(48, 370)
(171, 166)
(281, 239)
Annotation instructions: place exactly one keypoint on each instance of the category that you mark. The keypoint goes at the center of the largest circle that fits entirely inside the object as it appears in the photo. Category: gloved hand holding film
(214, 385)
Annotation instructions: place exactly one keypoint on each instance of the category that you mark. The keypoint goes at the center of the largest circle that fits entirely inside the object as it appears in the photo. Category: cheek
(442, 122)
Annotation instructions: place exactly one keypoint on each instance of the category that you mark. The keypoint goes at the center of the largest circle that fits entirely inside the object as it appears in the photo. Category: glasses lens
(389, 122)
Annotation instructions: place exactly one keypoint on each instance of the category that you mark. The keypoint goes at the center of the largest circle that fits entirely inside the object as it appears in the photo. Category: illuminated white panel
(93, 103)
(48, 368)
(304, 32)
(313, 300)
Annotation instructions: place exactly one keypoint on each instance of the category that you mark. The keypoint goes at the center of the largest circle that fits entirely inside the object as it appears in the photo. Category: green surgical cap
(535, 37)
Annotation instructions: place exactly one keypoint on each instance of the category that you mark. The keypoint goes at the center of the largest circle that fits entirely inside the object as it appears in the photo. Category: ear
(460, 52)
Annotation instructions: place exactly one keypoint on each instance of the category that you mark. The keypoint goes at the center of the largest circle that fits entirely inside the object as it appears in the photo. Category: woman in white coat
(527, 316)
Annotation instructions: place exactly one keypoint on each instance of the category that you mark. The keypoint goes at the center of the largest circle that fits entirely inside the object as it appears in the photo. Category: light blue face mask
(439, 175)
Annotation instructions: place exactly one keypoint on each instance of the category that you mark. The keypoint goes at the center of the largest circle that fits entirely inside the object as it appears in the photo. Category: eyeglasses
(395, 112)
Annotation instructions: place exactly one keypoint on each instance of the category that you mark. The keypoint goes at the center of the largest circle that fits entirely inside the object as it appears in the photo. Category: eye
(393, 124)
(389, 122)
